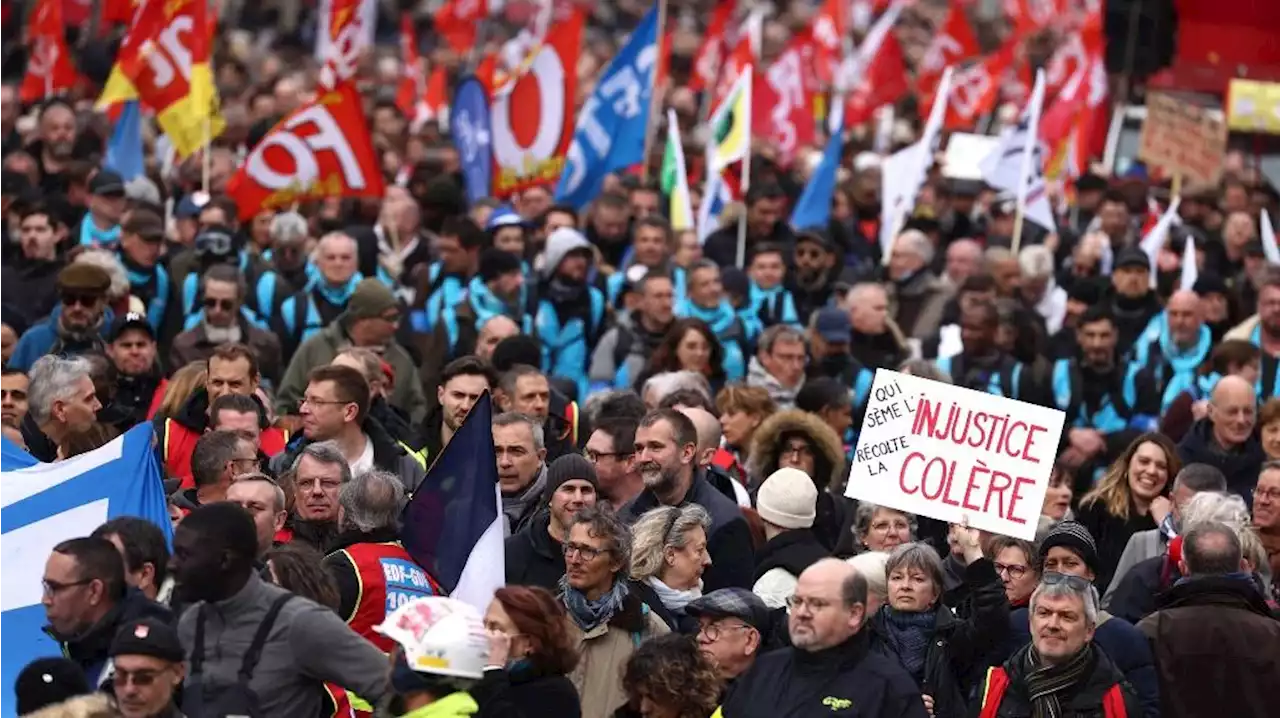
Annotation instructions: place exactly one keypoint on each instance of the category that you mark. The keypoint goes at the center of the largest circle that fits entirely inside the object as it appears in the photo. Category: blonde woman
(668, 556)
(180, 387)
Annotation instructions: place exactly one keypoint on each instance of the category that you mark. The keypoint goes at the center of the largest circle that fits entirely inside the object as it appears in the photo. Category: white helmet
(442, 636)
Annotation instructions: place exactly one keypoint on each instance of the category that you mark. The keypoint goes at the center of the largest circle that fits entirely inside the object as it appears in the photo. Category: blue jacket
(41, 338)
(737, 334)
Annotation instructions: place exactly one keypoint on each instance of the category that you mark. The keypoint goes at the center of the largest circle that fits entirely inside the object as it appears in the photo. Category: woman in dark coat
(942, 652)
(529, 635)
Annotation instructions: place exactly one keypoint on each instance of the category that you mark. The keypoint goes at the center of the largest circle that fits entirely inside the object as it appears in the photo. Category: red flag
(1030, 16)
(710, 55)
(413, 85)
(49, 68)
(976, 88)
(828, 30)
(320, 150)
(782, 101)
(883, 83)
(954, 43)
(734, 65)
(458, 21)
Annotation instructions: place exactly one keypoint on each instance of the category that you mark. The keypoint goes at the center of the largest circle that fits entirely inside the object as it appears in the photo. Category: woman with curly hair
(1131, 497)
(670, 677)
(689, 345)
(531, 652)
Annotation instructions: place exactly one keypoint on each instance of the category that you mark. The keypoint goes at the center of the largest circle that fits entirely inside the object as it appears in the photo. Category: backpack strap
(254, 652)
(1113, 703)
(197, 647)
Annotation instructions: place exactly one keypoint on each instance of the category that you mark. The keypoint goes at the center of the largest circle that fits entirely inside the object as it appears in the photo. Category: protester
(786, 503)
(610, 449)
(62, 399)
(441, 656)
(669, 675)
(47, 682)
(149, 669)
(531, 652)
(145, 552)
(264, 500)
(535, 554)
(320, 472)
(669, 556)
(800, 440)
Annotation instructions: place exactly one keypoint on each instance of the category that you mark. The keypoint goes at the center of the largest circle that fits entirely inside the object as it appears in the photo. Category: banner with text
(1180, 137)
(950, 453)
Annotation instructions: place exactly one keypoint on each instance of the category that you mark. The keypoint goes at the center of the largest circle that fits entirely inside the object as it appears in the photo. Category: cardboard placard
(1180, 137)
(1254, 106)
(952, 454)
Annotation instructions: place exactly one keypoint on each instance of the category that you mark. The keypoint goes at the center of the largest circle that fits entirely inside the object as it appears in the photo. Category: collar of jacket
(649, 500)
(251, 595)
(454, 705)
(837, 657)
(351, 537)
(540, 536)
(1221, 591)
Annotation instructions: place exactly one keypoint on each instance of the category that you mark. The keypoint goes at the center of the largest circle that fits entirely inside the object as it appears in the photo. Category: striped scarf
(1046, 684)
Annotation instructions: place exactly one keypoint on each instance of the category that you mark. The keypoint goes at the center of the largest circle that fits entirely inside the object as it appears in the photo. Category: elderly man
(61, 400)
(324, 297)
(778, 366)
(1060, 672)
(320, 472)
(917, 294)
(828, 667)
(1266, 514)
(964, 259)
(1039, 289)
(519, 441)
(79, 322)
(218, 458)
(1226, 439)
(1175, 346)
(733, 628)
(875, 340)
(149, 668)
(368, 564)
(1214, 637)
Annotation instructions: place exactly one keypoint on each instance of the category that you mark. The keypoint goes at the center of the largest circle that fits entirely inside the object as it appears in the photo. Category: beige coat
(604, 652)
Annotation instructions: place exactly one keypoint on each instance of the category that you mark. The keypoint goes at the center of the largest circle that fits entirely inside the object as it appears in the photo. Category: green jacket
(454, 705)
(321, 349)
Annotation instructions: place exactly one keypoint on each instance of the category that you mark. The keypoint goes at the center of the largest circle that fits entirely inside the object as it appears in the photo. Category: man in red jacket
(233, 369)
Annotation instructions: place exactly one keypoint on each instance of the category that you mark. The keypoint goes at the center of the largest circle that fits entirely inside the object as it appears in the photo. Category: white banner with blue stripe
(42, 505)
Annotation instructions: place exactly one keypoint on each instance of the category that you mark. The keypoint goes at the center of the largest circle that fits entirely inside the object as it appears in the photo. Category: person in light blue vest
(571, 315)
(459, 246)
(498, 290)
(141, 240)
(322, 300)
(1175, 345)
(768, 300)
(288, 269)
(706, 300)
(651, 248)
(1108, 403)
(981, 365)
(107, 203)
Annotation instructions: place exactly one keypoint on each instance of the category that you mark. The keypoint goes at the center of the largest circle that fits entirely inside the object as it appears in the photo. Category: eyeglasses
(1014, 570)
(324, 483)
(1268, 494)
(225, 305)
(70, 299)
(814, 605)
(798, 449)
(586, 553)
(142, 678)
(1053, 578)
(715, 631)
(53, 588)
(323, 402)
(596, 456)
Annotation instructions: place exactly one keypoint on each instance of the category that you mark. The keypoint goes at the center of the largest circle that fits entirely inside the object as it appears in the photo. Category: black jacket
(525, 692)
(533, 557)
(846, 680)
(133, 398)
(1136, 595)
(89, 650)
(728, 540)
(1084, 702)
(1239, 466)
(793, 551)
(958, 647)
(31, 286)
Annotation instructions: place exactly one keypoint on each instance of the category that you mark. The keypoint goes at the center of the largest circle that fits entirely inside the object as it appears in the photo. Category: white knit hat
(789, 499)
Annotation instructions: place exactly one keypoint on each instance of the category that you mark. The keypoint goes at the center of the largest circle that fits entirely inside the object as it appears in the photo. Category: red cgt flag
(710, 55)
(458, 22)
(782, 99)
(829, 28)
(320, 150)
(49, 68)
(956, 42)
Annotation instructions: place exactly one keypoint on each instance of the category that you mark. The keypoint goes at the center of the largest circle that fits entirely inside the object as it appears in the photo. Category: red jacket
(176, 437)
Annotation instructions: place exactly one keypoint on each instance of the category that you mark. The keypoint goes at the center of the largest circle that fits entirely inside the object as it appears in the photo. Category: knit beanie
(495, 263)
(370, 299)
(46, 682)
(1074, 536)
(788, 498)
(568, 468)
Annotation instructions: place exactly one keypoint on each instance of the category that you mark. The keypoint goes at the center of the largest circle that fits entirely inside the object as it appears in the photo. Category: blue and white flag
(611, 127)
(42, 505)
(469, 121)
(453, 525)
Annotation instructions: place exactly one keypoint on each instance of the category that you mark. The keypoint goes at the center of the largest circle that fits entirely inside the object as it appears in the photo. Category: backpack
(239, 699)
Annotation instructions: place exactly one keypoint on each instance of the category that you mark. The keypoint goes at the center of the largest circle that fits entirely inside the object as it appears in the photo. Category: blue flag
(45, 504)
(124, 149)
(453, 525)
(611, 127)
(469, 122)
(813, 209)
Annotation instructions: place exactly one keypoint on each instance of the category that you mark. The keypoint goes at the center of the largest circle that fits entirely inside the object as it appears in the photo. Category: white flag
(1269, 247)
(1017, 163)
(1190, 273)
(905, 171)
(1159, 235)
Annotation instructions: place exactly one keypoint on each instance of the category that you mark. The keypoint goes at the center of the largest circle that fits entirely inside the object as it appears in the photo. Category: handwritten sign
(950, 453)
(1180, 137)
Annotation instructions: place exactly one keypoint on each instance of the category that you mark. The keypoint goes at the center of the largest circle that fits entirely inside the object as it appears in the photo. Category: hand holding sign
(949, 453)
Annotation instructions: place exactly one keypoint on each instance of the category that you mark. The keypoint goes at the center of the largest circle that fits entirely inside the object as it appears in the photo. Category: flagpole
(746, 174)
(206, 159)
(1028, 152)
(650, 122)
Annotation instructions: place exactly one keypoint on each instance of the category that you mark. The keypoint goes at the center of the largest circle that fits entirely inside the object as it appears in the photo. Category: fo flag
(453, 525)
(45, 504)
(469, 120)
(611, 127)
(321, 150)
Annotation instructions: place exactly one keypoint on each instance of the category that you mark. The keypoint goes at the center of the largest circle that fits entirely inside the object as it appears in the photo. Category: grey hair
(924, 369)
(326, 452)
(107, 261)
(602, 522)
(920, 556)
(54, 378)
(669, 382)
(1089, 596)
(288, 227)
(867, 511)
(997, 254)
(1213, 507)
(371, 501)
(1036, 261)
(336, 235)
(512, 418)
(780, 333)
(659, 528)
(916, 242)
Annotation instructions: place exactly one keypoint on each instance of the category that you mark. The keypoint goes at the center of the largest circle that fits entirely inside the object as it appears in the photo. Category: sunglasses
(85, 300)
(225, 305)
(1053, 578)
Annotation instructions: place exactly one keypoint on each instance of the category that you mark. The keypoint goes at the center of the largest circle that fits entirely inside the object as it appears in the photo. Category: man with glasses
(1061, 671)
(829, 667)
(1069, 550)
(86, 599)
(149, 667)
(78, 324)
(222, 318)
(733, 625)
(219, 456)
(320, 471)
(610, 450)
(1266, 514)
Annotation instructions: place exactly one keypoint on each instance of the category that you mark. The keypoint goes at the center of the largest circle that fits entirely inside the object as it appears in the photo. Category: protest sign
(1253, 106)
(1183, 138)
(952, 454)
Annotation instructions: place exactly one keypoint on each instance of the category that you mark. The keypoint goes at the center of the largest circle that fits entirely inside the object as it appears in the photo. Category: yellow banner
(1254, 106)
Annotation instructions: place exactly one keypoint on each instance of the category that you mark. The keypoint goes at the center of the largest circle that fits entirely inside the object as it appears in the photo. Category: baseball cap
(148, 637)
(189, 207)
(1132, 257)
(146, 224)
(505, 216)
(106, 183)
(817, 237)
(833, 325)
(132, 320)
(731, 603)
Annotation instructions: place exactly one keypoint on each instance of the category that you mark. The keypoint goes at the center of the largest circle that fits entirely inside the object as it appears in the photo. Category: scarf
(562, 292)
(488, 305)
(91, 236)
(783, 396)
(673, 598)
(908, 634)
(1183, 362)
(519, 505)
(588, 614)
(1047, 684)
(222, 335)
(720, 317)
(90, 339)
(337, 296)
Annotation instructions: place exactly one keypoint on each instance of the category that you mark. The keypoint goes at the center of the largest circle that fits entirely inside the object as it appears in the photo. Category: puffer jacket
(833, 509)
